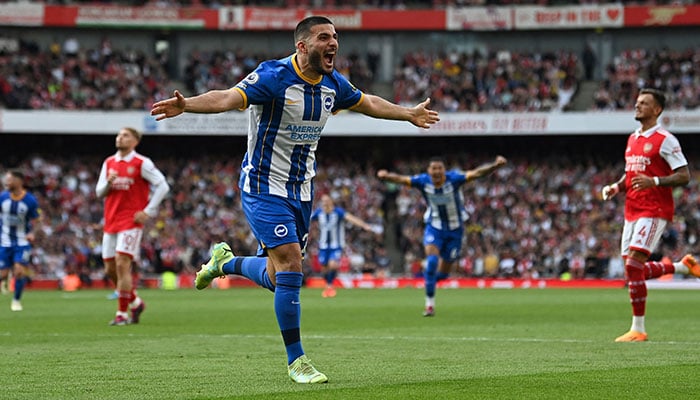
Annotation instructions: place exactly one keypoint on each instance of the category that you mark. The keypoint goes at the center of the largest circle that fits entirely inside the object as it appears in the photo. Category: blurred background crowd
(68, 76)
(532, 219)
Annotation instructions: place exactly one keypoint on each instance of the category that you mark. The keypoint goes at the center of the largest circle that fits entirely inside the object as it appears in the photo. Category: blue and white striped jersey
(331, 228)
(287, 115)
(16, 217)
(445, 204)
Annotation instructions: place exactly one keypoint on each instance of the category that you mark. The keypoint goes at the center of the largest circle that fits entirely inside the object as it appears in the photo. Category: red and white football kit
(654, 153)
(125, 196)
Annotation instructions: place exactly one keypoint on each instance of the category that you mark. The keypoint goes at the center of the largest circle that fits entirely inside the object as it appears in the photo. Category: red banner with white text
(131, 17)
(261, 18)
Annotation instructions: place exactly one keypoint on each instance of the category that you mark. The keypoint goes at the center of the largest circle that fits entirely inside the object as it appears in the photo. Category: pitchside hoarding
(347, 123)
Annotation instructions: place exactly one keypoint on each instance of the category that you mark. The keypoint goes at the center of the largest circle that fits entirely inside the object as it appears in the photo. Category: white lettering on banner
(479, 18)
(21, 14)
(268, 18)
(92, 12)
(129, 16)
(536, 17)
(342, 20)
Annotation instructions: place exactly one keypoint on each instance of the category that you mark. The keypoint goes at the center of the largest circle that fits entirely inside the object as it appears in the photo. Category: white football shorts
(126, 242)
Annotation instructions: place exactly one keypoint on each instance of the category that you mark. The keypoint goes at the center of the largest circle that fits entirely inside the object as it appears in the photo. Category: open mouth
(328, 58)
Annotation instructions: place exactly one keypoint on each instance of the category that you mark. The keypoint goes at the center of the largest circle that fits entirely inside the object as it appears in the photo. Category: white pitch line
(360, 338)
(431, 339)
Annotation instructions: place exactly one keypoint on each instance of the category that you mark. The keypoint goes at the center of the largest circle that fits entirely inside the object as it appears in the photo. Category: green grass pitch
(372, 344)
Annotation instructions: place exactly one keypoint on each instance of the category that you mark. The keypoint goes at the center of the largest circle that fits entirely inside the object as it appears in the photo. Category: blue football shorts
(14, 254)
(276, 220)
(448, 242)
(327, 255)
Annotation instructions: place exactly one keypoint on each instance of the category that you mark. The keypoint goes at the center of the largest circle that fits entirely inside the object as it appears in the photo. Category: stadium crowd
(675, 72)
(203, 208)
(497, 81)
(68, 76)
(527, 220)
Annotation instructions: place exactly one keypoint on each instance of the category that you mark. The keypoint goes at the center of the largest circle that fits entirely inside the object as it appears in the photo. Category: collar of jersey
(127, 158)
(18, 197)
(298, 71)
(648, 132)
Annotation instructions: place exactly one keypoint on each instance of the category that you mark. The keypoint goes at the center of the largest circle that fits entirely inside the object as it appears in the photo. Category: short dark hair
(439, 159)
(658, 96)
(17, 173)
(304, 26)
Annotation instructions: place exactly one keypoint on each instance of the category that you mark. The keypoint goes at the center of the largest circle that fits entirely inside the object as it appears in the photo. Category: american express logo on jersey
(441, 199)
(13, 220)
(304, 133)
(305, 137)
(304, 128)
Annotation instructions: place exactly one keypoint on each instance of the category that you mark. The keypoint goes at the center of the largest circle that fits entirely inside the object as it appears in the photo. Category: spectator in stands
(589, 60)
(672, 71)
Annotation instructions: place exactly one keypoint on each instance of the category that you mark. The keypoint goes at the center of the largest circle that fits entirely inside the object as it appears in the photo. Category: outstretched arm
(377, 107)
(213, 101)
(486, 168)
(358, 222)
(385, 175)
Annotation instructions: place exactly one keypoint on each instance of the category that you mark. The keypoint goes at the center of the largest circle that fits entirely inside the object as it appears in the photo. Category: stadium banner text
(344, 124)
(242, 18)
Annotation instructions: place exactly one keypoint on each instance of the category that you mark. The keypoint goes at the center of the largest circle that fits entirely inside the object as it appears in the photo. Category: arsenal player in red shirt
(126, 181)
(654, 165)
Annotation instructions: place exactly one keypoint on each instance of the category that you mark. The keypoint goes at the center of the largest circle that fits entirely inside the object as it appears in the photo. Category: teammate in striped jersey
(654, 165)
(444, 217)
(331, 241)
(19, 214)
(126, 180)
(290, 100)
